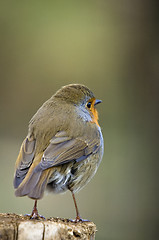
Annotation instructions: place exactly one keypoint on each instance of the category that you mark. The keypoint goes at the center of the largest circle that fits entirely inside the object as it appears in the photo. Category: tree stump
(18, 227)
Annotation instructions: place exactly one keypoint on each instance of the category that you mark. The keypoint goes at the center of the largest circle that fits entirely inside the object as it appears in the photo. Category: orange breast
(94, 113)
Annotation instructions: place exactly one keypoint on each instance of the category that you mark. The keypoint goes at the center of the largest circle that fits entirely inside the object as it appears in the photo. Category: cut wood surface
(18, 227)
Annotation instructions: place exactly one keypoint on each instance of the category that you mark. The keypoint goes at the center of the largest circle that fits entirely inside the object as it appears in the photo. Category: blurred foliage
(112, 47)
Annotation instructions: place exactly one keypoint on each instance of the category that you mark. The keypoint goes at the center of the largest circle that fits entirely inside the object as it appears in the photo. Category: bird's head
(80, 96)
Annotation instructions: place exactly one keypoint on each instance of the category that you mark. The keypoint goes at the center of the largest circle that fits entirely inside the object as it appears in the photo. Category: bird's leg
(78, 217)
(35, 214)
(77, 211)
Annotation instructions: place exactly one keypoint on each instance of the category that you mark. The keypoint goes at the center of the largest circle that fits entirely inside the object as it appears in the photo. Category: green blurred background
(112, 47)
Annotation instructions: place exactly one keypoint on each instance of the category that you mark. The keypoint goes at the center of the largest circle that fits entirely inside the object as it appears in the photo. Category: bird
(63, 148)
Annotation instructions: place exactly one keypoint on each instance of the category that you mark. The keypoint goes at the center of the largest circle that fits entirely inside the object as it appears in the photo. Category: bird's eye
(89, 104)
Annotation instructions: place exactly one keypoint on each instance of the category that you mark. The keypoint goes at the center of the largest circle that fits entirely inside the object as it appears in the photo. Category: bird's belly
(73, 176)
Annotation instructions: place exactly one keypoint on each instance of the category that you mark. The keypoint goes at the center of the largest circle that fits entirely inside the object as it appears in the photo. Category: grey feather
(27, 155)
(76, 149)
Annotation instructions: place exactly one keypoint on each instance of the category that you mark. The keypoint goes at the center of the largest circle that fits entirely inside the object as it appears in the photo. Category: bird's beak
(97, 101)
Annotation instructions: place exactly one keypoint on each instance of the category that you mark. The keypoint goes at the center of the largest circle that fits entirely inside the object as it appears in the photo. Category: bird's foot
(35, 215)
(79, 219)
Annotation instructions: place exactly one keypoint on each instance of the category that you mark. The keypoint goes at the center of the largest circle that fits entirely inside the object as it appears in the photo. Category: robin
(63, 148)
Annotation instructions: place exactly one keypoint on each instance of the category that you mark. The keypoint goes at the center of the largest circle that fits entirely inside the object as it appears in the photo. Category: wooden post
(18, 227)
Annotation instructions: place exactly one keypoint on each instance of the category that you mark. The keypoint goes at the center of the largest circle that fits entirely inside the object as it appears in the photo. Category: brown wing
(24, 161)
(67, 150)
(61, 150)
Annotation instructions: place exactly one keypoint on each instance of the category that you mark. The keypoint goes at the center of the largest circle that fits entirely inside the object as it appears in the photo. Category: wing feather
(62, 149)
(66, 151)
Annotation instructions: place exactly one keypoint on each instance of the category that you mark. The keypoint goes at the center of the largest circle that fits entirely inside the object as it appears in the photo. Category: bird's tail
(34, 183)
